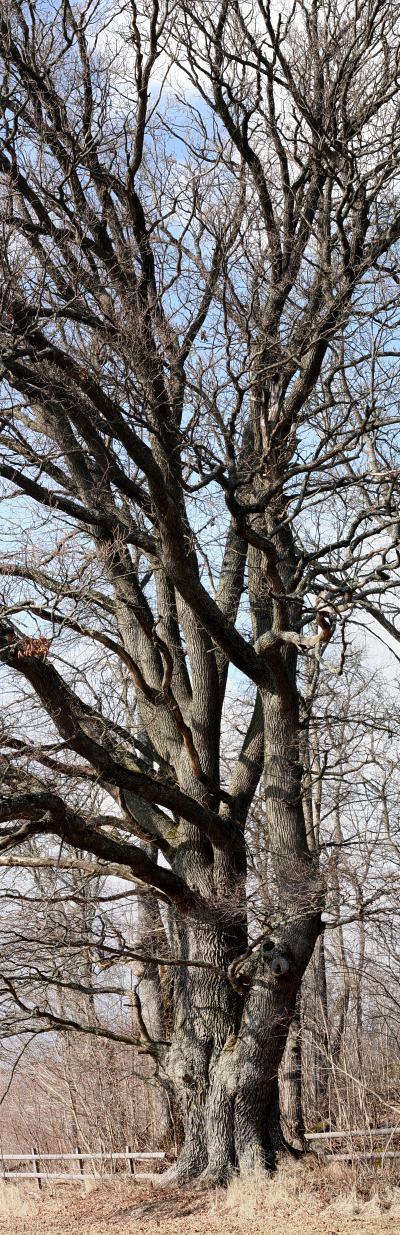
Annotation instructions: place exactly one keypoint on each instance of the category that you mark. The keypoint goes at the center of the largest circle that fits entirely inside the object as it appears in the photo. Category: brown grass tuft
(17, 1201)
(303, 1195)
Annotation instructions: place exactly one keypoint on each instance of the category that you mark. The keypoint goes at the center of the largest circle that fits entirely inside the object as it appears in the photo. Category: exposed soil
(133, 1209)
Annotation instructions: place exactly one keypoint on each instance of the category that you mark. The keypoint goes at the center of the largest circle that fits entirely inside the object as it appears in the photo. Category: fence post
(131, 1164)
(36, 1164)
(78, 1152)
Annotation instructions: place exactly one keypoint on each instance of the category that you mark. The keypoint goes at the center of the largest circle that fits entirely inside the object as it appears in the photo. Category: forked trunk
(226, 1053)
(231, 1029)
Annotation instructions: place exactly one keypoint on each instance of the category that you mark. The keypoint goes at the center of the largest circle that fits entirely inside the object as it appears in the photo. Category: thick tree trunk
(228, 1041)
(206, 1021)
(227, 1049)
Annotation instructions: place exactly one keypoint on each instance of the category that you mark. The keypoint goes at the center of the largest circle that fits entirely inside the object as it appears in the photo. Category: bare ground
(303, 1201)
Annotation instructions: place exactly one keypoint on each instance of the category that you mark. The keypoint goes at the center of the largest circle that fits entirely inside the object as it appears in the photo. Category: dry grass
(302, 1199)
(313, 1200)
(17, 1201)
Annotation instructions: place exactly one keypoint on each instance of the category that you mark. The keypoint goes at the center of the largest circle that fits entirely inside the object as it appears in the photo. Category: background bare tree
(200, 465)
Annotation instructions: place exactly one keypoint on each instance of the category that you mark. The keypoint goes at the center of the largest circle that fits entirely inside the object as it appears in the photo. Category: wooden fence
(40, 1163)
(37, 1161)
(353, 1136)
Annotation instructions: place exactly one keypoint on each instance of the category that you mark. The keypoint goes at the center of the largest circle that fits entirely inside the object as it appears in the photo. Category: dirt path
(129, 1209)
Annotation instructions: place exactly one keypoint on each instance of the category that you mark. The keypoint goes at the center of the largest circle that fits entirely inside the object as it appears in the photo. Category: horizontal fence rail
(358, 1134)
(73, 1156)
(96, 1158)
(319, 1136)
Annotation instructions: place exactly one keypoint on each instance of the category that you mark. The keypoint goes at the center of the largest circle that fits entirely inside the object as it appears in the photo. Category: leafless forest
(199, 575)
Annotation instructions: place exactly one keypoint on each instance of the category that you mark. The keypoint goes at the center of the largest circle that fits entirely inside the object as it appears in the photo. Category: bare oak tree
(199, 214)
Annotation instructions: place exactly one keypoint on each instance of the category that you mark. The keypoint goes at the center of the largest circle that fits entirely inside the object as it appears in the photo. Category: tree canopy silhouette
(199, 218)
